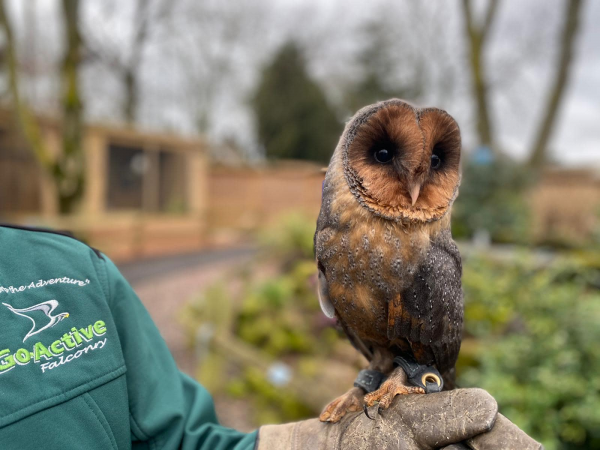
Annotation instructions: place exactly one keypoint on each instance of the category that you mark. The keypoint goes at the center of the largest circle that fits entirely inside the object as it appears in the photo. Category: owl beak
(414, 193)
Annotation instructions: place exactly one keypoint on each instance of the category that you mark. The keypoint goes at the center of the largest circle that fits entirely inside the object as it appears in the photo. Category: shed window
(147, 180)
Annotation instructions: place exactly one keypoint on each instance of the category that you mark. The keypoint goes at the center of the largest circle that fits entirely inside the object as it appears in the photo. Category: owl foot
(350, 401)
(396, 384)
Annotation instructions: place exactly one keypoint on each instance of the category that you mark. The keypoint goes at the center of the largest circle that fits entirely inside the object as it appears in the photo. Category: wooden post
(196, 195)
(95, 147)
(48, 189)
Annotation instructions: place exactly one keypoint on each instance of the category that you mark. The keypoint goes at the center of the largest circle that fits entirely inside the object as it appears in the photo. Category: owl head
(402, 162)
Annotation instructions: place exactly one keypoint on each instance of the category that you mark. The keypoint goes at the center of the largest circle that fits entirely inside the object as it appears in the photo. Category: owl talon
(366, 410)
(350, 401)
(396, 384)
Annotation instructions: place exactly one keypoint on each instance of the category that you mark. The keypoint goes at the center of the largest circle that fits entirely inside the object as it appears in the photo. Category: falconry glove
(452, 420)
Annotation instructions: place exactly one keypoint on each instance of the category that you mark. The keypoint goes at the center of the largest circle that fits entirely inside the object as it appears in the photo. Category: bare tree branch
(556, 93)
(130, 72)
(476, 36)
(125, 61)
(490, 15)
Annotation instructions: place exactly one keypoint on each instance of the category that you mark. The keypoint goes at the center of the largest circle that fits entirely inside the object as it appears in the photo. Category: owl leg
(396, 384)
(350, 401)
(353, 400)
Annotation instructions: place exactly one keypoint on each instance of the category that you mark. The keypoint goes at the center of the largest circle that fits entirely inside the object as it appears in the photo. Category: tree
(125, 59)
(67, 168)
(561, 78)
(293, 116)
(502, 182)
(477, 37)
(130, 70)
(222, 40)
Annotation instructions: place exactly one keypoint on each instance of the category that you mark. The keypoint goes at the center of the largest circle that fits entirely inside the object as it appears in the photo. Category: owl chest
(368, 265)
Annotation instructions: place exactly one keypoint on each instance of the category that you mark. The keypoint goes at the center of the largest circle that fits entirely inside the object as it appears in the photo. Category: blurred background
(186, 139)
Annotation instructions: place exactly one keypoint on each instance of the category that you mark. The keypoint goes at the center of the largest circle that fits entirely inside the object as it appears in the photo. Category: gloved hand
(450, 420)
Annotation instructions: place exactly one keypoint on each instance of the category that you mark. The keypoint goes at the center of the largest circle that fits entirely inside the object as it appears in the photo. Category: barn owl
(388, 269)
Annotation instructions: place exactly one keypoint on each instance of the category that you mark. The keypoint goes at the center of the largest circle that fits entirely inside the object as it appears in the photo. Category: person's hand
(458, 419)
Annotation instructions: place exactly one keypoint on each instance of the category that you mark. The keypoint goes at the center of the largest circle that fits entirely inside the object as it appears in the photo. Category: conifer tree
(294, 119)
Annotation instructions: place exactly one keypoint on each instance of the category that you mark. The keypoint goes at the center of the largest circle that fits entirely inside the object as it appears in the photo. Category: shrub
(492, 198)
(536, 351)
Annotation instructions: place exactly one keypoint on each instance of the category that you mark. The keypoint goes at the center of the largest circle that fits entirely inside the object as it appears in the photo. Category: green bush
(290, 239)
(531, 341)
(492, 198)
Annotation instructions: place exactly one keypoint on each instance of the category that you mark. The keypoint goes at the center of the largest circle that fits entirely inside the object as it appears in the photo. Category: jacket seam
(139, 433)
(152, 442)
(103, 276)
(87, 398)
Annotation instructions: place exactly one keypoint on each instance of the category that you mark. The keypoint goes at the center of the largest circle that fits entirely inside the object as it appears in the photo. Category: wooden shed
(145, 192)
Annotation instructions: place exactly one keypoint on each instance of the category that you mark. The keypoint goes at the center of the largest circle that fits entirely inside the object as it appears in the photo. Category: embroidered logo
(40, 315)
(71, 346)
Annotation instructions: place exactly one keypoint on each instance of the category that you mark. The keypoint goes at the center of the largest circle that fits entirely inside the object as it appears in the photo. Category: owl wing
(429, 313)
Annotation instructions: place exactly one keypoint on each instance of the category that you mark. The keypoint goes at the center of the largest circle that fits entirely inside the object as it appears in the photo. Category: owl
(388, 269)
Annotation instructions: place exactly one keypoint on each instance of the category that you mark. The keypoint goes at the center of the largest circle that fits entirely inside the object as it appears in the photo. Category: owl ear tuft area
(323, 293)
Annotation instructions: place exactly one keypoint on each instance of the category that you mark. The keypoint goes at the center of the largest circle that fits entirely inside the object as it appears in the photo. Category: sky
(519, 62)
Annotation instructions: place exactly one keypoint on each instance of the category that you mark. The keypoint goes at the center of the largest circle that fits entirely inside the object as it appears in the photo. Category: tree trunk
(477, 36)
(131, 101)
(70, 174)
(67, 169)
(539, 153)
(27, 122)
(131, 70)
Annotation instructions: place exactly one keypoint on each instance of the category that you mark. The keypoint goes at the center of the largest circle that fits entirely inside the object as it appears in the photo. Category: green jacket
(82, 365)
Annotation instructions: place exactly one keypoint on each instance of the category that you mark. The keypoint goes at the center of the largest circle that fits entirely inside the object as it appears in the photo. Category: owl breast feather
(391, 286)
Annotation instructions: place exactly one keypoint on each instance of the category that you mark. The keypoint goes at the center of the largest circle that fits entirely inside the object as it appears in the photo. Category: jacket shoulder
(40, 235)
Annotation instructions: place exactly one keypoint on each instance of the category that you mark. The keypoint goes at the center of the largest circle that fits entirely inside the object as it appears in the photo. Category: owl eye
(436, 159)
(383, 155)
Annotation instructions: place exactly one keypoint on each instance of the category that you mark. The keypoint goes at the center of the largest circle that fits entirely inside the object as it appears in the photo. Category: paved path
(144, 269)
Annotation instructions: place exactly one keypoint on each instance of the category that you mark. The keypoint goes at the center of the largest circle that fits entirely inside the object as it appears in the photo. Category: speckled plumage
(390, 268)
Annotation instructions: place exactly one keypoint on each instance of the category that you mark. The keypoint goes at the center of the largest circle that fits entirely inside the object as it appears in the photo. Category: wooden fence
(565, 206)
(246, 199)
